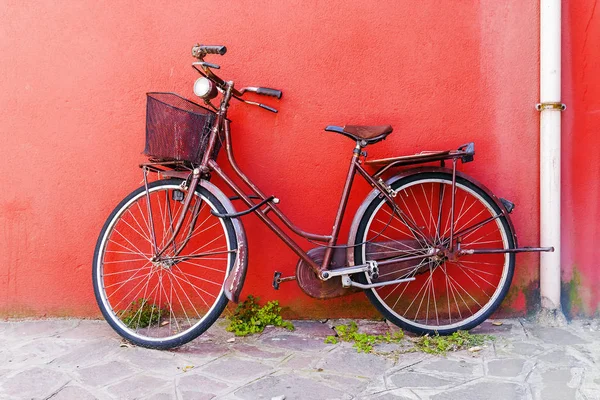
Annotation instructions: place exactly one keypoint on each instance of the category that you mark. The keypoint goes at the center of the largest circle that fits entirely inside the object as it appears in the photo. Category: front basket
(177, 129)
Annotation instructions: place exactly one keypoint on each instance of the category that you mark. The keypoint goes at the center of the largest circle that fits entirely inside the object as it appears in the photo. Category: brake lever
(273, 110)
(253, 103)
(205, 64)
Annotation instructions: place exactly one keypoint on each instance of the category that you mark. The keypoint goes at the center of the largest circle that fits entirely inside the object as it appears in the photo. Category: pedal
(276, 280)
(373, 269)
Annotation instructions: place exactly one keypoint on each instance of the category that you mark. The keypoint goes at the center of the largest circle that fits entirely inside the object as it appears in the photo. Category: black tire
(122, 262)
(467, 281)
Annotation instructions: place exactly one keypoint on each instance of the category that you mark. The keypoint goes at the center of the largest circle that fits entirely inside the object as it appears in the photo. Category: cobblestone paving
(81, 359)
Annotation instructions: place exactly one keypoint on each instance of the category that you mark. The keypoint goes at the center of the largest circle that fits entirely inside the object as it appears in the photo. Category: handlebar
(200, 51)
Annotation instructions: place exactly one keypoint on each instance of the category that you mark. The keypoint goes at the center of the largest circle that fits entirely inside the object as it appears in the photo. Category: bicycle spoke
(476, 272)
(131, 291)
(418, 207)
(125, 261)
(201, 279)
(128, 241)
(196, 264)
(393, 227)
(123, 283)
(127, 248)
(136, 230)
(180, 302)
(177, 280)
(438, 224)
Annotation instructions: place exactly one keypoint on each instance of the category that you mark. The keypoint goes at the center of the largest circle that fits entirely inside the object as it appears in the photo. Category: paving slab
(346, 360)
(389, 396)
(33, 383)
(453, 367)
(101, 375)
(524, 348)
(73, 392)
(489, 390)
(290, 341)
(194, 382)
(234, 369)
(557, 336)
(419, 380)
(509, 367)
(85, 359)
(556, 385)
(293, 387)
(136, 387)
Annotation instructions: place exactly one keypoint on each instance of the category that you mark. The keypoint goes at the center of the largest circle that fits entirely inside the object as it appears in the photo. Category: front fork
(191, 189)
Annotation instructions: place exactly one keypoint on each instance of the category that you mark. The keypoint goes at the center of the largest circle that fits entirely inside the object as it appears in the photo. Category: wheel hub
(166, 263)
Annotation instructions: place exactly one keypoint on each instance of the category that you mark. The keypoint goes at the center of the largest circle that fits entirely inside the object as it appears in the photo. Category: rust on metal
(312, 285)
(341, 209)
(501, 251)
(464, 152)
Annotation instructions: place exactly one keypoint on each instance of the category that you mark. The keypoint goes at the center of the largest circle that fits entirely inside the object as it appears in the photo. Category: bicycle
(433, 249)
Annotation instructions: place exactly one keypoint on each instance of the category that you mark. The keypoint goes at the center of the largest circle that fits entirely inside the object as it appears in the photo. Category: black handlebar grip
(269, 92)
(220, 50)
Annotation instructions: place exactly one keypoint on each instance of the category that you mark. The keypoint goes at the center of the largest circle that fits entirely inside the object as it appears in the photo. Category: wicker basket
(177, 129)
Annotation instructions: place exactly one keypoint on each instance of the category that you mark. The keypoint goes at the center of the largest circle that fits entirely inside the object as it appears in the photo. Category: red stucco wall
(74, 77)
(581, 166)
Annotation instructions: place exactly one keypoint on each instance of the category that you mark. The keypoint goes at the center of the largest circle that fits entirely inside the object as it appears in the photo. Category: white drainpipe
(550, 107)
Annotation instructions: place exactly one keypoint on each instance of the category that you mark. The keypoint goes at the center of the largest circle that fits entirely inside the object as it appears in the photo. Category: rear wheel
(163, 302)
(448, 293)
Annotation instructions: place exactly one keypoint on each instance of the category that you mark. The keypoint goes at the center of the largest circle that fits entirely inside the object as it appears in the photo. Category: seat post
(342, 207)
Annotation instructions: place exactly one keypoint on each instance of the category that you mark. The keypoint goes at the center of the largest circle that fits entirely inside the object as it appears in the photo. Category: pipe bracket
(551, 106)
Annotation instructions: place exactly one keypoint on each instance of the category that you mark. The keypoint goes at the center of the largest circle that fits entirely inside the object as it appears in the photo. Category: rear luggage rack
(464, 152)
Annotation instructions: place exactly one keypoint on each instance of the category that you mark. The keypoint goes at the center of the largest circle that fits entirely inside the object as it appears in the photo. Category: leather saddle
(370, 134)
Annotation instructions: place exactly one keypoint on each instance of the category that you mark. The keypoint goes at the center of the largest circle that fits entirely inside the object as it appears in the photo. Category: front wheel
(448, 293)
(165, 301)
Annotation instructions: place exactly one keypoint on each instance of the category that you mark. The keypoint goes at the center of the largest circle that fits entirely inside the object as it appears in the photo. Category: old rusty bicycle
(433, 249)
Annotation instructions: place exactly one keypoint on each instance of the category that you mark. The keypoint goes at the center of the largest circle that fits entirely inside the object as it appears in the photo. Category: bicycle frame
(209, 165)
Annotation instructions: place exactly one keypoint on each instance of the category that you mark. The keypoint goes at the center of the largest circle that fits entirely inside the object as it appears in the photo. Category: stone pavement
(82, 359)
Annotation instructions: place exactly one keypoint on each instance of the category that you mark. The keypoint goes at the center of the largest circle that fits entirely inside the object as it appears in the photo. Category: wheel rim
(165, 298)
(446, 294)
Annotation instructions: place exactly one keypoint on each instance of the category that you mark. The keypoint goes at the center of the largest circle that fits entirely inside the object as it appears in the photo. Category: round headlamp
(205, 88)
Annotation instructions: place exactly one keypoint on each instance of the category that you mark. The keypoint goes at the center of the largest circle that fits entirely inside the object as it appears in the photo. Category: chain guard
(312, 285)
(377, 251)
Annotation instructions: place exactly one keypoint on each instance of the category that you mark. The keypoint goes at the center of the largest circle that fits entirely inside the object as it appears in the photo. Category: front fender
(375, 192)
(235, 280)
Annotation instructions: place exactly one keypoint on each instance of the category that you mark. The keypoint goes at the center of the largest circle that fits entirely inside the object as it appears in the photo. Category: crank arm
(368, 267)
(325, 275)
(346, 282)
(502, 251)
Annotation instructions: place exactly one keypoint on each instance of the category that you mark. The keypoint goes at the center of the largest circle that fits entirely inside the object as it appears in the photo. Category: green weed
(249, 317)
(362, 342)
(459, 340)
(142, 314)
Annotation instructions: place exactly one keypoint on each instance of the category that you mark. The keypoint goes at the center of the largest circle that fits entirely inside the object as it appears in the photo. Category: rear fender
(235, 280)
(375, 192)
